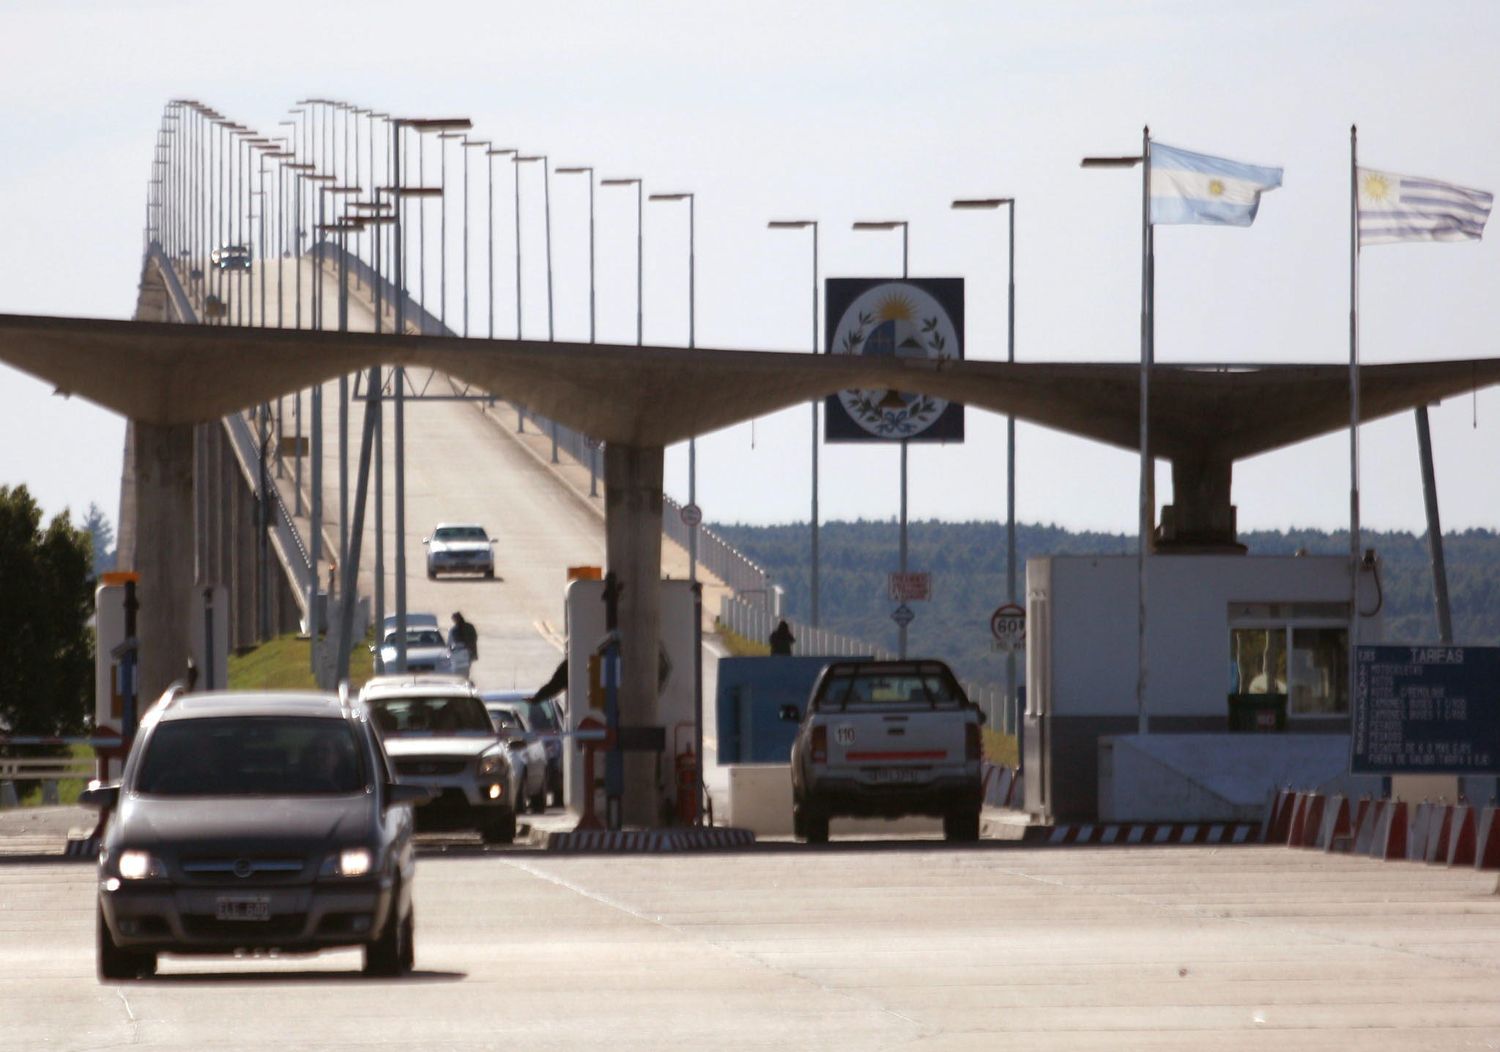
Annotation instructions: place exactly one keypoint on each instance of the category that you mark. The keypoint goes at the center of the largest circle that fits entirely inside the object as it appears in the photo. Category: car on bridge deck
(439, 736)
(460, 548)
(231, 257)
(255, 821)
(426, 649)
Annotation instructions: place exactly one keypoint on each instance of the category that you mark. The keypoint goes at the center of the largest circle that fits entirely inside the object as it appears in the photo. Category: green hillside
(967, 562)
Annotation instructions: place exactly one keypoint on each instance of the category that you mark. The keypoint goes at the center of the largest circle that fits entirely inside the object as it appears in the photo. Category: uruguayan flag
(1408, 208)
(1189, 187)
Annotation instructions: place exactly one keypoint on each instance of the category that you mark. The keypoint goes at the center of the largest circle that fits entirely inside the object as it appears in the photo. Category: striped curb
(649, 840)
(1148, 833)
(81, 847)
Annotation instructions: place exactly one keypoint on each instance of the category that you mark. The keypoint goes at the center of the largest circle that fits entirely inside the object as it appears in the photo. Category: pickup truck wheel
(499, 829)
(961, 826)
(814, 823)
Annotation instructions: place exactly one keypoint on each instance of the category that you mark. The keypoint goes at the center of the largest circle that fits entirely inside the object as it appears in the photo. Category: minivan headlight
(489, 764)
(140, 865)
(350, 862)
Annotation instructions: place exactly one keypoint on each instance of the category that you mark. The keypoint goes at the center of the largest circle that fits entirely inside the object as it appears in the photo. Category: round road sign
(1008, 625)
(692, 515)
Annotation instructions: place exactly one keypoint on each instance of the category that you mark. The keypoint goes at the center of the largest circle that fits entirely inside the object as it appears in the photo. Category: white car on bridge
(426, 649)
(460, 548)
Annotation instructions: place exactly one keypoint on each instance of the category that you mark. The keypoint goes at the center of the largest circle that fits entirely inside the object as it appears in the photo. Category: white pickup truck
(886, 739)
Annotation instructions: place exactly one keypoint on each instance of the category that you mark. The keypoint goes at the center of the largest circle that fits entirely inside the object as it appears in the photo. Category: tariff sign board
(1426, 710)
(913, 587)
(1008, 626)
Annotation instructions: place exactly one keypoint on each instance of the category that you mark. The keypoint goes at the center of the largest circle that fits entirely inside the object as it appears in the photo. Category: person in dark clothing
(782, 640)
(554, 686)
(462, 634)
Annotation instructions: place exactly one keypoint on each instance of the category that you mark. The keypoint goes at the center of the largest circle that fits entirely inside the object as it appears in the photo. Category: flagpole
(1354, 540)
(1147, 508)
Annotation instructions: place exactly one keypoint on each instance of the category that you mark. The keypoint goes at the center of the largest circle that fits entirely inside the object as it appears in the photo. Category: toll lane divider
(1435, 833)
(1002, 786)
(1148, 833)
(649, 840)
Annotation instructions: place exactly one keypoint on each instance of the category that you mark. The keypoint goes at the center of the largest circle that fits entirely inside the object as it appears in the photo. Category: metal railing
(718, 556)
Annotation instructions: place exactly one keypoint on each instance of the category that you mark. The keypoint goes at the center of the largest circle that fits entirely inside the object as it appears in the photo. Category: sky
(836, 112)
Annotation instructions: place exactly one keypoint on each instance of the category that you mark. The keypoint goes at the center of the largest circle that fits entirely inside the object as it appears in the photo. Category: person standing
(782, 640)
(463, 634)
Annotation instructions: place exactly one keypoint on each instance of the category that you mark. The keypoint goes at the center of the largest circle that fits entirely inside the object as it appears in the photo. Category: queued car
(886, 739)
(508, 711)
(231, 257)
(461, 547)
(426, 649)
(255, 821)
(540, 720)
(439, 736)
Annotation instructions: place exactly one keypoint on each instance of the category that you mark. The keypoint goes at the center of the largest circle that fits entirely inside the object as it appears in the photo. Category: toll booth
(585, 627)
(1246, 688)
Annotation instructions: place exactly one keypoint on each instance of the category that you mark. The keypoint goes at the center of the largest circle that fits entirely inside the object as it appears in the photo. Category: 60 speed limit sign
(1008, 626)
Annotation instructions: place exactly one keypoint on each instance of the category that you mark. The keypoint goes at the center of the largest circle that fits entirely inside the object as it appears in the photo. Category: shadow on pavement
(354, 976)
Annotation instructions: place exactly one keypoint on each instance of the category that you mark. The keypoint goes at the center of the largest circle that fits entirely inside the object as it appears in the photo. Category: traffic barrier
(1365, 835)
(1487, 840)
(649, 840)
(1335, 824)
(1438, 832)
(1299, 820)
(1312, 819)
(1015, 793)
(1279, 822)
(1416, 831)
(1460, 847)
(1389, 841)
(1152, 833)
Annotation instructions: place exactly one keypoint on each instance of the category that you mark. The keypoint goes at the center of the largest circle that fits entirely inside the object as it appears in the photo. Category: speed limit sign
(1008, 626)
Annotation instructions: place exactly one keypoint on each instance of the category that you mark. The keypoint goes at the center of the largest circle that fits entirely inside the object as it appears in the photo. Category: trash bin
(1257, 712)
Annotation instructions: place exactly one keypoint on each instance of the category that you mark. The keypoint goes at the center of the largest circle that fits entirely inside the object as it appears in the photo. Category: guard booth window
(1299, 650)
(1307, 662)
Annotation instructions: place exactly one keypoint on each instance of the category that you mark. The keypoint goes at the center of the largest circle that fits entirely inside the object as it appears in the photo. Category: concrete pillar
(161, 532)
(632, 529)
(1200, 517)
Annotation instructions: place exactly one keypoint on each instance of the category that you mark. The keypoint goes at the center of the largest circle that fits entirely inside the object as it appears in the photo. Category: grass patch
(739, 646)
(285, 663)
(1001, 748)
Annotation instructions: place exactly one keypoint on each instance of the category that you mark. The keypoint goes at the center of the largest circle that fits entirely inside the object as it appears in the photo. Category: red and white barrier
(1364, 832)
(1335, 828)
(1389, 840)
(1460, 847)
(1487, 840)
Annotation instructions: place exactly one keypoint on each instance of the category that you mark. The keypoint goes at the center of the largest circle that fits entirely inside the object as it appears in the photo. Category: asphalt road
(854, 946)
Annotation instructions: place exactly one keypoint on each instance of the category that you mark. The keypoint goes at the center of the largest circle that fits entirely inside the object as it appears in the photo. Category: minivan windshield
(251, 756)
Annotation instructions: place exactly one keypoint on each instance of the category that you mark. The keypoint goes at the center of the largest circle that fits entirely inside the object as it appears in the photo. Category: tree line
(967, 563)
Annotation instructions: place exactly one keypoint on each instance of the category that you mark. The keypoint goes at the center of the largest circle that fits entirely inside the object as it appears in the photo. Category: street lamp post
(443, 138)
(587, 170)
(547, 231)
(639, 246)
(1007, 722)
(400, 192)
(467, 143)
(804, 224)
(903, 225)
(692, 442)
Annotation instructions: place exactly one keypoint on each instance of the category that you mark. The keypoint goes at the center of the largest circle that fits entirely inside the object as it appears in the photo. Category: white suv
(439, 736)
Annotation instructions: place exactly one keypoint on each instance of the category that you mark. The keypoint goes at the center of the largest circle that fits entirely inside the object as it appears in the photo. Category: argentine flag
(1189, 187)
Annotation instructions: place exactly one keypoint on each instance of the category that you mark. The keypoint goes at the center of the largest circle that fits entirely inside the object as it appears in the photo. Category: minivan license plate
(243, 908)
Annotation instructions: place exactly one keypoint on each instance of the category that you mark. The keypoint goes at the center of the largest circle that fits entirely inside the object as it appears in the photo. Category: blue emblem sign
(916, 318)
(1426, 710)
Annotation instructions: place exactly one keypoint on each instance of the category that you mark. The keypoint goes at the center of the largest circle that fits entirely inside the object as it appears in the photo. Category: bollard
(1299, 820)
(1312, 820)
(1389, 841)
(1438, 834)
(1335, 827)
(1461, 839)
(1487, 841)
(1364, 833)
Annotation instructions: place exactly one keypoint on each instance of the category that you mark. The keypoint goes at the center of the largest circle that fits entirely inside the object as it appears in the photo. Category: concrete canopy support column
(1200, 517)
(632, 531)
(164, 546)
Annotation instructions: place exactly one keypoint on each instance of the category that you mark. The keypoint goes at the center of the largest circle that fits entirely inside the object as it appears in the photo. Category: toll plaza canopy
(164, 373)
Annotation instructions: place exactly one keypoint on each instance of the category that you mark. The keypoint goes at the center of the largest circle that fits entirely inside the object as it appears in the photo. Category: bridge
(224, 362)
